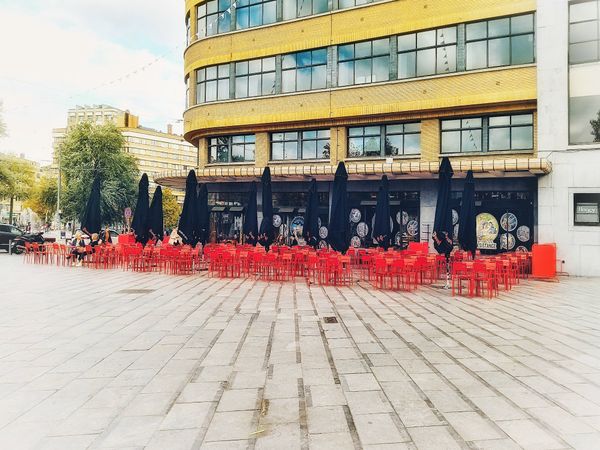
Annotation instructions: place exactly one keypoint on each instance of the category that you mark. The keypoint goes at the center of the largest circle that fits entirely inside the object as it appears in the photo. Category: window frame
(371, 57)
(597, 40)
(382, 135)
(201, 84)
(229, 144)
(300, 140)
(250, 74)
(250, 4)
(207, 18)
(436, 47)
(296, 67)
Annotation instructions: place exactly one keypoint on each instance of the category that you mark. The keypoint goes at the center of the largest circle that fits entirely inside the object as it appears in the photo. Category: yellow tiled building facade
(386, 86)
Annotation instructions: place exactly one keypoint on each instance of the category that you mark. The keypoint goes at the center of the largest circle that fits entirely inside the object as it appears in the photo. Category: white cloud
(62, 53)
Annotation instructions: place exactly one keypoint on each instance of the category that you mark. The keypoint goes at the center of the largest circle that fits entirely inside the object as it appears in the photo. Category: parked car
(8, 233)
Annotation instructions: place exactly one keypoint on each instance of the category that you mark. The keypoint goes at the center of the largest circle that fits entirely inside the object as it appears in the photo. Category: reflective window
(350, 3)
(187, 92)
(290, 145)
(385, 140)
(302, 8)
(584, 31)
(500, 42)
(188, 29)
(584, 119)
(253, 13)
(214, 17)
(304, 71)
(225, 149)
(364, 62)
(255, 77)
(513, 132)
(462, 135)
(212, 83)
(427, 53)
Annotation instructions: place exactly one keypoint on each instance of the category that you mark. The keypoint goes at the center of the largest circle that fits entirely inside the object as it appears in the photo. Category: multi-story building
(155, 151)
(389, 87)
(569, 130)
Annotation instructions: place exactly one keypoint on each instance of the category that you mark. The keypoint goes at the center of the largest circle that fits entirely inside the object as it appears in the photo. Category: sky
(56, 54)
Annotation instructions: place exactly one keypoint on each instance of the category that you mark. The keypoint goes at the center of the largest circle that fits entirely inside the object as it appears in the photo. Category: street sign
(127, 213)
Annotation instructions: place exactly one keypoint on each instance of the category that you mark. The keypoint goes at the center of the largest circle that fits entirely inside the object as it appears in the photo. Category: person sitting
(106, 237)
(77, 248)
(95, 241)
(174, 238)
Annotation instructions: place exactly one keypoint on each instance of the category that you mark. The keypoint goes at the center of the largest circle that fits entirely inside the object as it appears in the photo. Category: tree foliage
(16, 178)
(42, 200)
(596, 128)
(89, 149)
(171, 209)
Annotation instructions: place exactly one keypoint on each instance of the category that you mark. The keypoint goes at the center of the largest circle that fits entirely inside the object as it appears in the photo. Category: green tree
(88, 150)
(596, 128)
(16, 178)
(171, 209)
(42, 200)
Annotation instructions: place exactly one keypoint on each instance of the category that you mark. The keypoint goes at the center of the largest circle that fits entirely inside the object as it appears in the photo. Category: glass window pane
(255, 15)
(373, 146)
(200, 75)
(362, 49)
(320, 6)
(450, 124)
(372, 131)
(499, 139)
(241, 68)
(319, 56)
(309, 134)
(237, 139)
(356, 131)
(211, 7)
(224, 22)
(394, 129)
(362, 69)
(319, 77)
(277, 137)
(500, 27)
(450, 141)
(522, 119)
(581, 111)
(242, 18)
(346, 73)
(412, 144)
(288, 81)
(223, 70)
(499, 52)
(585, 31)
(255, 66)
(446, 59)
(309, 149)
(277, 151)
(426, 39)
(522, 138)
(381, 68)
(291, 136)
(268, 84)
(291, 150)
(446, 35)
(412, 127)
(250, 150)
(476, 30)
(222, 153)
(583, 52)
(407, 42)
(200, 94)
(211, 91)
(323, 148)
(288, 61)
(471, 122)
(324, 133)
(426, 62)
(471, 141)
(355, 147)
(211, 73)
(583, 11)
(270, 12)
(250, 138)
(268, 64)
(303, 59)
(496, 121)
(223, 89)
(521, 24)
(407, 65)
(381, 47)
(393, 145)
(522, 49)
(254, 85)
(241, 87)
(476, 55)
(345, 52)
(212, 156)
(289, 9)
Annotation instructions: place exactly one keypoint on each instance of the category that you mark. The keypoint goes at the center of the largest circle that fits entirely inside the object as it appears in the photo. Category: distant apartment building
(155, 151)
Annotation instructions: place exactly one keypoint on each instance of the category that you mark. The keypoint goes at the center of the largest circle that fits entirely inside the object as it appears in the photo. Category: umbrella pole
(447, 285)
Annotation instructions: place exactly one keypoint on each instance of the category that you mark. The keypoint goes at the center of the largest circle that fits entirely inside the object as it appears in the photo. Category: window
(253, 13)
(510, 132)
(350, 3)
(212, 83)
(584, 31)
(385, 140)
(364, 62)
(187, 92)
(255, 77)
(462, 135)
(587, 209)
(584, 118)
(214, 17)
(313, 144)
(482, 134)
(225, 149)
(427, 53)
(301, 8)
(304, 71)
(500, 42)
(188, 28)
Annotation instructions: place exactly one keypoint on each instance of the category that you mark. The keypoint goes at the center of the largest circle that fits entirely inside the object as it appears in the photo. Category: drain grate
(330, 319)
(136, 291)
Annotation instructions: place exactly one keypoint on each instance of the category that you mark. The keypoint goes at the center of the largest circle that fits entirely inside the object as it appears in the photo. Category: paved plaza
(121, 360)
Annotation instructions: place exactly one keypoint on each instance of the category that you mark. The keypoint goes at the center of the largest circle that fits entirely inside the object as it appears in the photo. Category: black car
(8, 233)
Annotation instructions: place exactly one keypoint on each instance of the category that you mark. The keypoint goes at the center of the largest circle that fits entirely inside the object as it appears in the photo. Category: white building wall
(576, 169)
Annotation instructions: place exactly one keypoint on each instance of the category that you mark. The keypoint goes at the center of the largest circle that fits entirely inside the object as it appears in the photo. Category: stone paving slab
(114, 360)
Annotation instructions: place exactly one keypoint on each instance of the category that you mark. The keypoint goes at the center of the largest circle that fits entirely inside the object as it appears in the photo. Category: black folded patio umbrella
(442, 225)
(339, 224)
(140, 215)
(381, 228)
(310, 232)
(250, 228)
(91, 221)
(189, 215)
(267, 230)
(156, 217)
(203, 215)
(467, 228)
